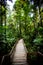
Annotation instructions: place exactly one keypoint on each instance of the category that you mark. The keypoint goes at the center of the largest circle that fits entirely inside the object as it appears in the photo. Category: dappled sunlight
(21, 22)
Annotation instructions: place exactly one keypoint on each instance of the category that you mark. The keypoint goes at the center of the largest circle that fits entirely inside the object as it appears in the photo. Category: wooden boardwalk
(19, 56)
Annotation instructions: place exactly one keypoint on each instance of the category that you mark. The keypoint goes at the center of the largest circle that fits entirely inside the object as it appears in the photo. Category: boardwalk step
(19, 63)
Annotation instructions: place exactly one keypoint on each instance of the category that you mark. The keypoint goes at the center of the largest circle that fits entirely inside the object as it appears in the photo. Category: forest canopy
(24, 21)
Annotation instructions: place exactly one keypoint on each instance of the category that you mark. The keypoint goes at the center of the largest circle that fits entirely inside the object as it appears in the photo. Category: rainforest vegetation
(24, 21)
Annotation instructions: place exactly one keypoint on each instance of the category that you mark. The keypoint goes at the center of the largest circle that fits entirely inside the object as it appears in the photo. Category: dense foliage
(24, 21)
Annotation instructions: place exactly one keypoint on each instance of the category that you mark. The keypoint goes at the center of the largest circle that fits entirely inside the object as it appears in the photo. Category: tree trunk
(40, 23)
(1, 24)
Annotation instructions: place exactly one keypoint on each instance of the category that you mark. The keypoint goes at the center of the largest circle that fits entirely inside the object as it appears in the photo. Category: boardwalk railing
(6, 58)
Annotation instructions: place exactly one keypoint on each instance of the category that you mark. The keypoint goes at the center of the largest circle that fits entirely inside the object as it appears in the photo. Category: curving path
(19, 56)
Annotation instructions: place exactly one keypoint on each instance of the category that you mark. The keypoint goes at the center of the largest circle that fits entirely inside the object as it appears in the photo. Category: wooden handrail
(10, 52)
(40, 53)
